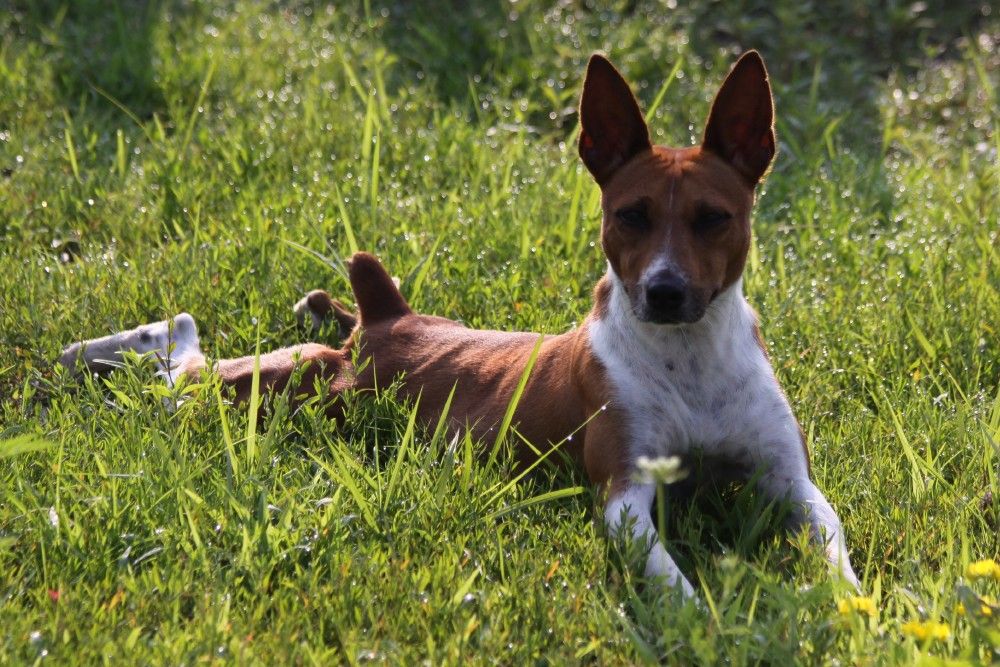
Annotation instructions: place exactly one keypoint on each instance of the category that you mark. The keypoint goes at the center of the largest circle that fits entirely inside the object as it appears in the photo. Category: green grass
(178, 155)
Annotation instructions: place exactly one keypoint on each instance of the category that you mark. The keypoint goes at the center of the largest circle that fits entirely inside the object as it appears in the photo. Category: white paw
(171, 343)
(69, 354)
(841, 567)
(659, 565)
(185, 335)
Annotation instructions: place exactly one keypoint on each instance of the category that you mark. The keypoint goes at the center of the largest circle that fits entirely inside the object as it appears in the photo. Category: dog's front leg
(628, 506)
(811, 508)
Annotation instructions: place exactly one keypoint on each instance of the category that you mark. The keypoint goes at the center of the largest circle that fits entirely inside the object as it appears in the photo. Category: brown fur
(278, 367)
(321, 304)
(434, 354)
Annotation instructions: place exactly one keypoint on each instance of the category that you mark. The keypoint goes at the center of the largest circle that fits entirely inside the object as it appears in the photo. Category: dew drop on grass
(123, 558)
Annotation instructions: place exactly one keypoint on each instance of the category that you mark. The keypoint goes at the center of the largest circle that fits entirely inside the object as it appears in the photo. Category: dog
(669, 362)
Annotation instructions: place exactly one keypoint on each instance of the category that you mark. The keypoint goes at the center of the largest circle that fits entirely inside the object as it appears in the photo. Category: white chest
(705, 386)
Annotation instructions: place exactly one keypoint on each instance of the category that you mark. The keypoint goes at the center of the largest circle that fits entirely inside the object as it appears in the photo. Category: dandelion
(857, 604)
(663, 469)
(983, 569)
(924, 630)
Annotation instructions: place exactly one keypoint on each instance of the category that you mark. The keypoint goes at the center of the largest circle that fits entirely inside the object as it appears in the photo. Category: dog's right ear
(612, 129)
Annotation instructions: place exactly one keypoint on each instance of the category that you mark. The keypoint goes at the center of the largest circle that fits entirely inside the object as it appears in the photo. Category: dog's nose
(665, 296)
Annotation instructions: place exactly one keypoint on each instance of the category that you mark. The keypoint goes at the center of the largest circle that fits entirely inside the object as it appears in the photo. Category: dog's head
(676, 226)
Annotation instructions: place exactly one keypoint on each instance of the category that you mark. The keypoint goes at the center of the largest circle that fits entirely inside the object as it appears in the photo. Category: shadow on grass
(96, 45)
(835, 54)
(846, 47)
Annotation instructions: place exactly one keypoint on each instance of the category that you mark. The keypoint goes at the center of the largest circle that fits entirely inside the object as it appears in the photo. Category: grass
(172, 156)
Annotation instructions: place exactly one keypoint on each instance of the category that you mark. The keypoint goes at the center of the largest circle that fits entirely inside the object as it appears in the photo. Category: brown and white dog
(669, 362)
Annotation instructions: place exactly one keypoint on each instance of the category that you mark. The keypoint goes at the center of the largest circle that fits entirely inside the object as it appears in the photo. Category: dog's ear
(612, 129)
(740, 126)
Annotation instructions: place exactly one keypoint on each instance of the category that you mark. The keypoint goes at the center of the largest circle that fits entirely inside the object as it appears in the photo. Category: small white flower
(663, 470)
(53, 517)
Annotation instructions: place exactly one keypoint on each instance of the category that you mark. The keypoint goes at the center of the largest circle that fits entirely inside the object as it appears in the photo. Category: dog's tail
(377, 295)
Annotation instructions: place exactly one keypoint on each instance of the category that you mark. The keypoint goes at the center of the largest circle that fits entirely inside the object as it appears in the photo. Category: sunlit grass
(222, 158)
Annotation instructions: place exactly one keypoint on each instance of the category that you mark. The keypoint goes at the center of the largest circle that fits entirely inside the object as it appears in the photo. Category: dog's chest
(677, 399)
(706, 388)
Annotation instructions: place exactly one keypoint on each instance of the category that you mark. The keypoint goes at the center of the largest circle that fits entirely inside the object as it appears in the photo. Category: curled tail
(377, 295)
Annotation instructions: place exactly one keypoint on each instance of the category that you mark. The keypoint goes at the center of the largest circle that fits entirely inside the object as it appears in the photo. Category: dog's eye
(711, 220)
(633, 217)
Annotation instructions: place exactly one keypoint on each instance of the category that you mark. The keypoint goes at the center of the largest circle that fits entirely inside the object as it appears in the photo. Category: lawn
(222, 157)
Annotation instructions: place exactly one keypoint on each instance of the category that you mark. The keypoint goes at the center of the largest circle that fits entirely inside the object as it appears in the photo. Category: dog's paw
(171, 342)
(69, 355)
(312, 309)
(317, 306)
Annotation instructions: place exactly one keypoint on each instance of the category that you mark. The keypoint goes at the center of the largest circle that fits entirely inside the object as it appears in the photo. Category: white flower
(663, 470)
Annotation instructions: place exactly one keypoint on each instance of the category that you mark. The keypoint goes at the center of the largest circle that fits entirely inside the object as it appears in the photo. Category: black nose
(665, 296)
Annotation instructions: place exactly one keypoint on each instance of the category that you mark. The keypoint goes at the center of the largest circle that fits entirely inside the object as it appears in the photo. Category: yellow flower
(926, 630)
(986, 606)
(982, 569)
(856, 604)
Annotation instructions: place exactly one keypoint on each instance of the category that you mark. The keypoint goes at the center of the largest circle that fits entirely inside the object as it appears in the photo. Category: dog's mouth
(669, 319)
(687, 311)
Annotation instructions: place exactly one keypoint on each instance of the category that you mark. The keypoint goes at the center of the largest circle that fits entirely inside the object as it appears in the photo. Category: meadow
(222, 158)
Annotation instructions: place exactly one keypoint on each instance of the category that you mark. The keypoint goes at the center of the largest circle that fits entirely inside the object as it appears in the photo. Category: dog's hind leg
(277, 368)
(176, 350)
(173, 344)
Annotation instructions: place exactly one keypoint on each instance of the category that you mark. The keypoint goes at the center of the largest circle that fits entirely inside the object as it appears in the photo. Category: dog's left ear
(740, 126)
(612, 129)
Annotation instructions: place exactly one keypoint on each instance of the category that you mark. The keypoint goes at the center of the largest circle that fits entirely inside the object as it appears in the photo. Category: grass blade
(254, 404)
(335, 263)
(233, 462)
(71, 147)
(514, 400)
(345, 219)
(651, 111)
(401, 454)
(23, 444)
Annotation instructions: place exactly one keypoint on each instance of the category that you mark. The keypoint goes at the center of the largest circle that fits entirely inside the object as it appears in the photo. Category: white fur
(172, 344)
(708, 386)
